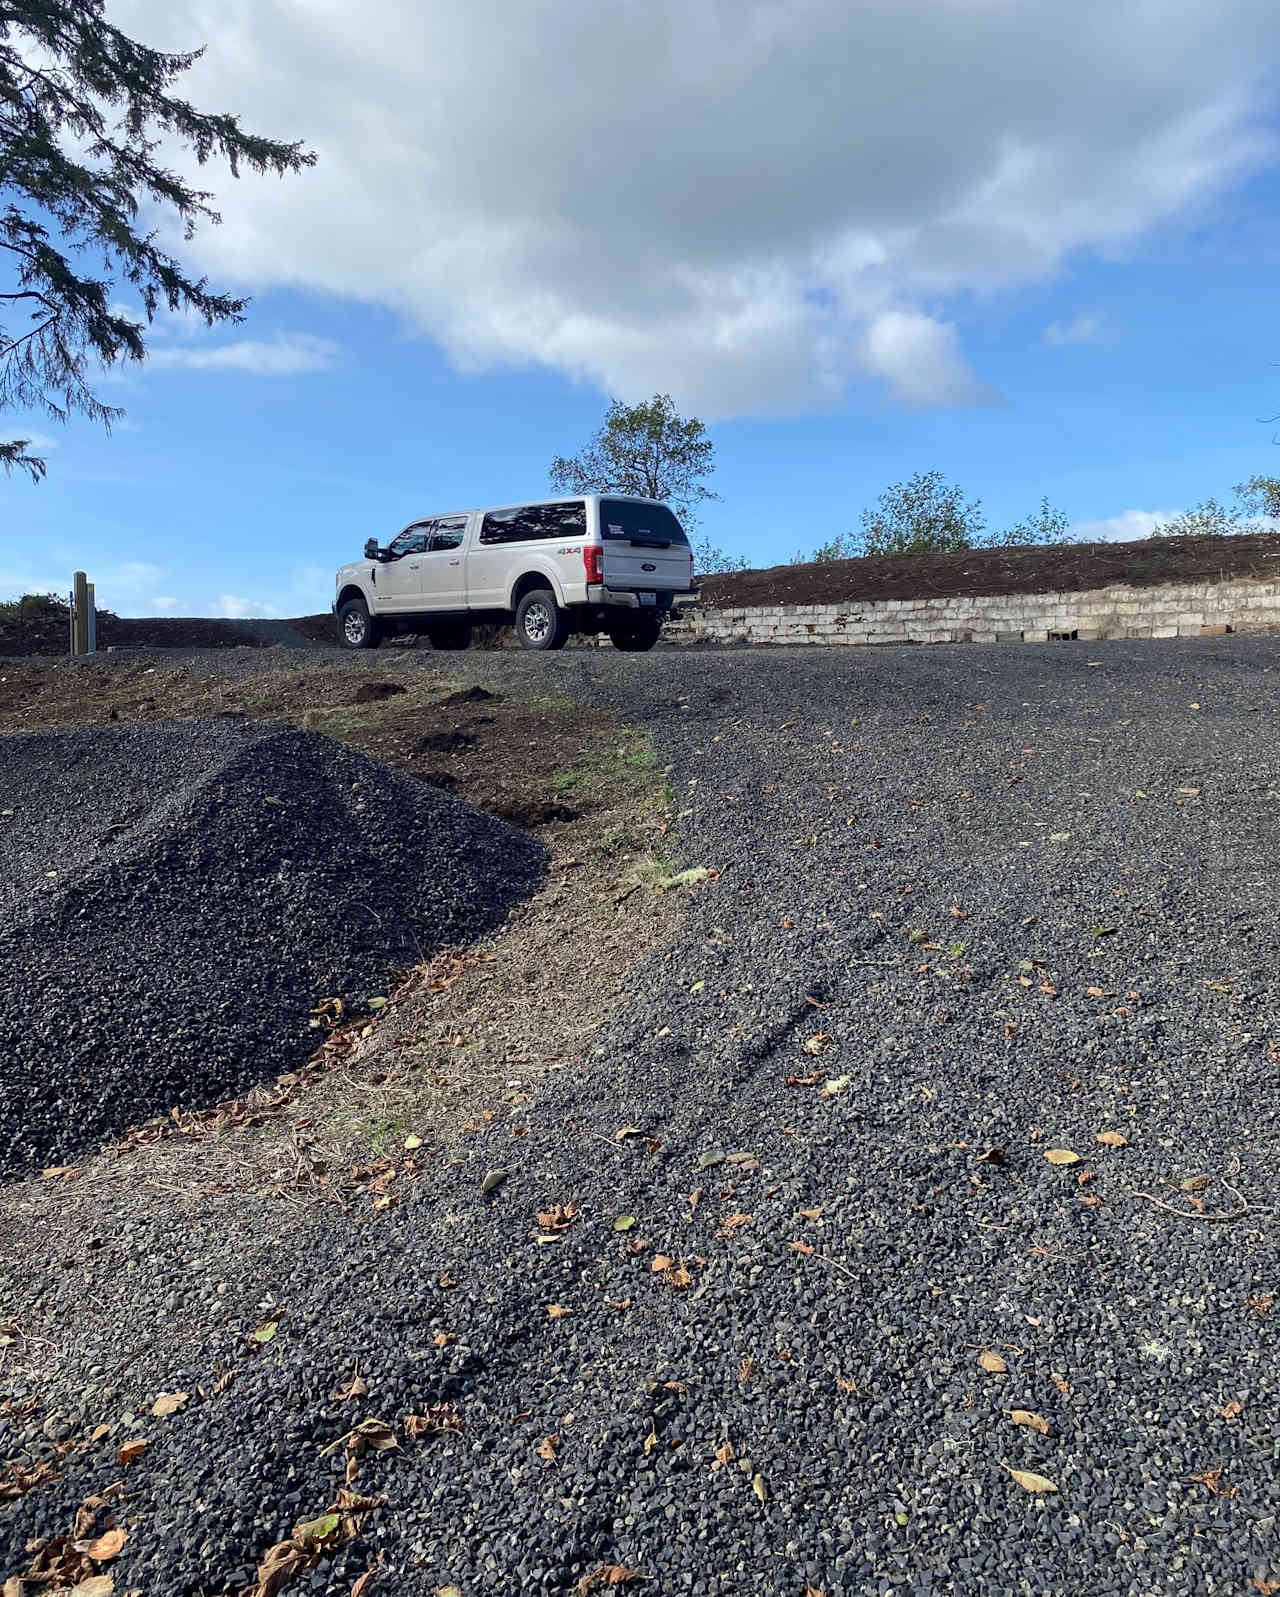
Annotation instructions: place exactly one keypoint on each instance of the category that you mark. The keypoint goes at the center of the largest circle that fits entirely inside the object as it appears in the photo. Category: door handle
(413, 565)
(455, 562)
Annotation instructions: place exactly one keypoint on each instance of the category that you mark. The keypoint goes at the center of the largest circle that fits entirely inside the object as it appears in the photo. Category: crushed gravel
(967, 906)
(182, 895)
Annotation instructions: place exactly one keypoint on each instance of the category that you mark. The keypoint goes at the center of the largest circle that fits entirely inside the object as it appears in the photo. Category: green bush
(34, 606)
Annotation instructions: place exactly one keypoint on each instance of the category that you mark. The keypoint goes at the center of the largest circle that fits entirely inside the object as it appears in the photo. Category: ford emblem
(648, 566)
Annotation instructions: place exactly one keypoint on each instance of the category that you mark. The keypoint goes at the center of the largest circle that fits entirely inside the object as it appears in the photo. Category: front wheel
(540, 622)
(637, 634)
(449, 634)
(357, 629)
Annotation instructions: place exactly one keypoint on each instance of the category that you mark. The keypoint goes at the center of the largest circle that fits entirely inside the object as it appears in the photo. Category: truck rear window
(625, 518)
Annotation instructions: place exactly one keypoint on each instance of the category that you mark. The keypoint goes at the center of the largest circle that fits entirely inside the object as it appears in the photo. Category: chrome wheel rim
(537, 623)
(354, 627)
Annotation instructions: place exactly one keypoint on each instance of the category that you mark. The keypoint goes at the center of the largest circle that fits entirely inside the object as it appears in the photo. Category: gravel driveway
(958, 1100)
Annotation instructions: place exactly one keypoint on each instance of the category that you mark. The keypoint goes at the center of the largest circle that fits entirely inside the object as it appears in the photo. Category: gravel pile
(971, 907)
(181, 895)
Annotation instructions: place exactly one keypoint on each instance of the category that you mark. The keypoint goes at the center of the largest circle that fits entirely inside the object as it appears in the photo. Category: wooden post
(92, 609)
(80, 614)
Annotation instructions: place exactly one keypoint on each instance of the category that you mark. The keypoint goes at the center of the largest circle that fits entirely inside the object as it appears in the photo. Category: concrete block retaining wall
(1173, 611)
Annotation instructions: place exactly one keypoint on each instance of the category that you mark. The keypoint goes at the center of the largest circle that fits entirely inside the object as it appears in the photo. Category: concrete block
(1217, 629)
(1163, 632)
(1034, 637)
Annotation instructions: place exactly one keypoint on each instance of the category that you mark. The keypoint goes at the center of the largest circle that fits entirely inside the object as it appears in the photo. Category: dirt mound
(184, 893)
(1066, 568)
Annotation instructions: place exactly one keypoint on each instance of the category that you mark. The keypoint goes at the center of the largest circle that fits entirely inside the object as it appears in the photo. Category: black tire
(636, 635)
(449, 634)
(540, 622)
(357, 629)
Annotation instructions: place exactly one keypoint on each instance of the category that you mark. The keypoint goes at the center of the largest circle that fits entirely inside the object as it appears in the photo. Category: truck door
(444, 565)
(399, 579)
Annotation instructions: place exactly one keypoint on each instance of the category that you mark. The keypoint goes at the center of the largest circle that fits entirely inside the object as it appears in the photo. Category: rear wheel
(637, 634)
(357, 629)
(540, 622)
(449, 634)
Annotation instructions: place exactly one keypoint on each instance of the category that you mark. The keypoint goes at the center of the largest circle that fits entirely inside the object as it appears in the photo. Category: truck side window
(412, 541)
(524, 523)
(448, 533)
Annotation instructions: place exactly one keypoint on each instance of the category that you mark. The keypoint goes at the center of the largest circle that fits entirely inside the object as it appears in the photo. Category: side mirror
(371, 549)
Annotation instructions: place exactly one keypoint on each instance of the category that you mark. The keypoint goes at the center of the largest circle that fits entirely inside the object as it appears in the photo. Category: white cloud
(162, 604)
(232, 607)
(1123, 528)
(749, 204)
(1083, 329)
(288, 355)
(920, 359)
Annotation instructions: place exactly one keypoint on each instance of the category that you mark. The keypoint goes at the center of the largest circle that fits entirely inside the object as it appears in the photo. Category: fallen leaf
(264, 1333)
(317, 1532)
(448, 1591)
(546, 1448)
(1061, 1156)
(1233, 1411)
(624, 1222)
(131, 1450)
(169, 1403)
(443, 1338)
(493, 1180)
(375, 1434)
(1032, 1421)
(356, 1387)
(624, 1132)
(439, 1419)
(724, 1455)
(650, 1442)
(760, 1489)
(559, 1217)
(800, 1247)
(557, 1311)
(105, 1547)
(991, 1156)
(1083, 1177)
(94, 1586)
(1029, 1481)
(661, 1262)
(1212, 1478)
(1261, 1306)
(607, 1575)
(410, 1143)
(364, 1585)
(1090, 1200)
(992, 1363)
(818, 1043)
(808, 1214)
(1112, 1139)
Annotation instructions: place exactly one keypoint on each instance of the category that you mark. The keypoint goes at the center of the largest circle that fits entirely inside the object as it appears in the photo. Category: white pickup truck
(592, 563)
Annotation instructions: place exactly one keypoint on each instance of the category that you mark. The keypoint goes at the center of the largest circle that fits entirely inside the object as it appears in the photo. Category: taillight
(593, 560)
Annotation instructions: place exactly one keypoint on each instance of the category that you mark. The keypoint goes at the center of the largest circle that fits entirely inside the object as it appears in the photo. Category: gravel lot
(193, 892)
(967, 907)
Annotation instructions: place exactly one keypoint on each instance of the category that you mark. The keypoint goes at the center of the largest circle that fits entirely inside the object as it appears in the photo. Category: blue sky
(1034, 247)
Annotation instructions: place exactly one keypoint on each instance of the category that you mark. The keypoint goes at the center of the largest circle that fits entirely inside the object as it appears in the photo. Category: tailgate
(644, 547)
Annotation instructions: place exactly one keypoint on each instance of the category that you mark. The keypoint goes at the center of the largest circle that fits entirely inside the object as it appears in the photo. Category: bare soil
(1068, 568)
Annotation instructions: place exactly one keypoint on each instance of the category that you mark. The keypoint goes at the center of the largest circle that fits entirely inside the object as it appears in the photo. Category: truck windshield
(629, 518)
